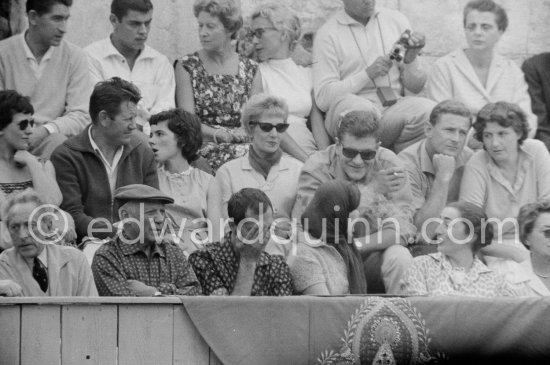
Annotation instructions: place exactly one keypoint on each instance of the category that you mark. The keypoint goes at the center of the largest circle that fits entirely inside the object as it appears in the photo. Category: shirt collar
(132, 249)
(477, 268)
(95, 147)
(30, 55)
(245, 163)
(43, 257)
(345, 19)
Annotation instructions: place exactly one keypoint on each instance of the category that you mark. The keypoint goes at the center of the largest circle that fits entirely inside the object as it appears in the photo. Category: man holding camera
(367, 51)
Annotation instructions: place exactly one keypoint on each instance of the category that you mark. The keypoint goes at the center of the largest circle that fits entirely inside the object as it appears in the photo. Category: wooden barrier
(99, 331)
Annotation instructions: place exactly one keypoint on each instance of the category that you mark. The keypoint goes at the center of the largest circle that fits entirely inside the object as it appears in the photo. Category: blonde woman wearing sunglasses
(19, 169)
(264, 167)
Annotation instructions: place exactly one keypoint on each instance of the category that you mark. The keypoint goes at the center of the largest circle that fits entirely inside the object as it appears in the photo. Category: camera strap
(361, 49)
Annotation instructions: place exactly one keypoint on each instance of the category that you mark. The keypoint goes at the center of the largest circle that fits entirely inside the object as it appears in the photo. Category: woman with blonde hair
(214, 82)
(274, 33)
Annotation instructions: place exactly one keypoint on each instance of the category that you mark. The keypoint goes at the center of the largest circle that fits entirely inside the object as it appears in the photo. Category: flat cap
(141, 193)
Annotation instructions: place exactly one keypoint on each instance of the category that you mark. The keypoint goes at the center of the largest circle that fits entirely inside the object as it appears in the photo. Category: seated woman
(478, 75)
(265, 167)
(455, 269)
(509, 172)
(275, 31)
(175, 140)
(19, 169)
(215, 82)
(327, 261)
(534, 232)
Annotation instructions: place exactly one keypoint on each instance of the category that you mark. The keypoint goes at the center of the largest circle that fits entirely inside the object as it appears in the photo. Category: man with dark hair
(435, 164)
(125, 54)
(239, 264)
(51, 71)
(537, 75)
(140, 261)
(105, 156)
(385, 194)
(355, 52)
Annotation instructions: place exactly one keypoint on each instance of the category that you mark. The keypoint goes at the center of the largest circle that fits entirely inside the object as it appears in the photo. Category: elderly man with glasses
(385, 196)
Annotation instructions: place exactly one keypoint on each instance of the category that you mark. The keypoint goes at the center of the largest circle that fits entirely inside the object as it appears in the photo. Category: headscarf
(336, 199)
(264, 163)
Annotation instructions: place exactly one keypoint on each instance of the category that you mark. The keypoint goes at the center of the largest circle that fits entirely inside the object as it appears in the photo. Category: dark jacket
(84, 183)
(537, 75)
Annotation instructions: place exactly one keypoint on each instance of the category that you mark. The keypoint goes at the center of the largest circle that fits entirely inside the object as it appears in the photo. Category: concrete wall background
(174, 30)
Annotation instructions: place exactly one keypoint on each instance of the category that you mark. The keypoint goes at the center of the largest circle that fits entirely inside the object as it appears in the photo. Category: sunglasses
(258, 32)
(267, 127)
(366, 155)
(23, 124)
(546, 233)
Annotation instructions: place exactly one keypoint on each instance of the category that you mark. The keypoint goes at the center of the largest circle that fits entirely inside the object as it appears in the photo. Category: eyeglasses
(267, 127)
(259, 32)
(23, 124)
(366, 155)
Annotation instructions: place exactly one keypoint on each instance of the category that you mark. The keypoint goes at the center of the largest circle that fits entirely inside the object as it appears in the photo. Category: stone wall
(174, 29)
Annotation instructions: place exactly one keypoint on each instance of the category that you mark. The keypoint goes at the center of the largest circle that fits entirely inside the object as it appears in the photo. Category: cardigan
(62, 93)
(83, 180)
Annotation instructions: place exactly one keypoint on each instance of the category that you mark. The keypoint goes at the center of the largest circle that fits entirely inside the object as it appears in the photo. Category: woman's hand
(24, 158)
(239, 136)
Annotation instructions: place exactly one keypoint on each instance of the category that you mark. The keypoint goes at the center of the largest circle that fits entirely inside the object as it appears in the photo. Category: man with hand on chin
(139, 261)
(239, 264)
(435, 165)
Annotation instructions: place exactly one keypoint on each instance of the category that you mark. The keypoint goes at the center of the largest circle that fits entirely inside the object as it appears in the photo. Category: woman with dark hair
(455, 268)
(327, 261)
(477, 74)
(19, 169)
(534, 233)
(215, 81)
(509, 172)
(175, 140)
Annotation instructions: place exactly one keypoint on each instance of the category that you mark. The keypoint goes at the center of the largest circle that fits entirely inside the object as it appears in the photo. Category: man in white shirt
(351, 55)
(124, 54)
(50, 71)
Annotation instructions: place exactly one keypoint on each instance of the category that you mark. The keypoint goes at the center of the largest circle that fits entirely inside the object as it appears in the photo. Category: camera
(398, 50)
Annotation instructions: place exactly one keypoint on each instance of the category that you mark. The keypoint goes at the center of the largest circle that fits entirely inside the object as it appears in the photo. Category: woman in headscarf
(327, 261)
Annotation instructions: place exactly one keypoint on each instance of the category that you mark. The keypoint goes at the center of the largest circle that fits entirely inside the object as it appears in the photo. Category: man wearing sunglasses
(378, 172)
(435, 165)
(52, 72)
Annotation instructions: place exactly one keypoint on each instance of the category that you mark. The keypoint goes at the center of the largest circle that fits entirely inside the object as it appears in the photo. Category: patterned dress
(218, 103)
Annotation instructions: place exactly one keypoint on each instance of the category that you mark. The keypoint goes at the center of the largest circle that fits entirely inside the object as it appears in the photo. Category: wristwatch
(157, 294)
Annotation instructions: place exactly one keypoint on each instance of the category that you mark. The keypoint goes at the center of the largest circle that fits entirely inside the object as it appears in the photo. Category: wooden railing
(100, 331)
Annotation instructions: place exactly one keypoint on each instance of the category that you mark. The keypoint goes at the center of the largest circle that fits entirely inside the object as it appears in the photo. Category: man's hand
(37, 136)
(380, 67)
(390, 180)
(416, 42)
(10, 288)
(252, 243)
(141, 289)
(24, 158)
(444, 166)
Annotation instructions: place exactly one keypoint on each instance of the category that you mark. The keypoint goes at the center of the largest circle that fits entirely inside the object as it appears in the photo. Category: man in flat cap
(139, 261)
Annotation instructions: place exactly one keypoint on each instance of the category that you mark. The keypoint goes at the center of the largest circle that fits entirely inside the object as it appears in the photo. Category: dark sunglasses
(258, 32)
(365, 154)
(23, 124)
(546, 233)
(267, 127)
